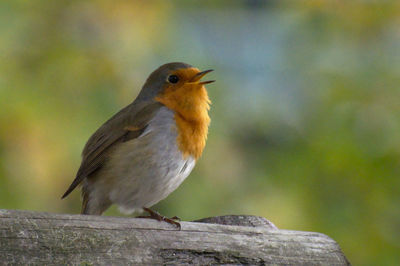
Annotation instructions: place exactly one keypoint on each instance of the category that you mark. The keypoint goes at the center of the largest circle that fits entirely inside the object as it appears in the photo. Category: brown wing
(127, 124)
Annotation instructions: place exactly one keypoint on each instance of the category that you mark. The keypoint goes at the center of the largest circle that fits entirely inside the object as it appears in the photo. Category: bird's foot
(156, 216)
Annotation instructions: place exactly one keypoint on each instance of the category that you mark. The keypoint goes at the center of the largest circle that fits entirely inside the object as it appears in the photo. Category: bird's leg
(156, 216)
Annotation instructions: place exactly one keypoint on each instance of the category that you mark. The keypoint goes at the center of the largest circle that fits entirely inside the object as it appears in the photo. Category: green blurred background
(305, 117)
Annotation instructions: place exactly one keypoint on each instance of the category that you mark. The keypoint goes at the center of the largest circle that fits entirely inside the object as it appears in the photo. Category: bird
(147, 149)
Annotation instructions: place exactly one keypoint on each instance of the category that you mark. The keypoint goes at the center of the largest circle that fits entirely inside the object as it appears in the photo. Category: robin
(146, 150)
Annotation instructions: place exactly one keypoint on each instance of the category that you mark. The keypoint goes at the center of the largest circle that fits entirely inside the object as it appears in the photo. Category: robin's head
(179, 87)
(178, 77)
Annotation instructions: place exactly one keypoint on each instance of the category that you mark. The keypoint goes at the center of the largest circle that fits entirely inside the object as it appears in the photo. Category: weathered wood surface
(59, 239)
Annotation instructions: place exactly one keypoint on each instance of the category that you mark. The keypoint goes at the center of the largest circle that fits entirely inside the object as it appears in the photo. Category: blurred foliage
(305, 116)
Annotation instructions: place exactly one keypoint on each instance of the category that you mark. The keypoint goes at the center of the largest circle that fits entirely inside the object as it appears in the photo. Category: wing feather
(127, 124)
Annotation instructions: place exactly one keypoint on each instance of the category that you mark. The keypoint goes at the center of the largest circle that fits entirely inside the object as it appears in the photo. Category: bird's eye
(173, 79)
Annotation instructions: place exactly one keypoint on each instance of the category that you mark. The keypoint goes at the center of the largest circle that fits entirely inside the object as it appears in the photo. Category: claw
(175, 218)
(156, 216)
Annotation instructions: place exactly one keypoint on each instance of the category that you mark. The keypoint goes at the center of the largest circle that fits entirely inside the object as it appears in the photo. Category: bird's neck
(192, 120)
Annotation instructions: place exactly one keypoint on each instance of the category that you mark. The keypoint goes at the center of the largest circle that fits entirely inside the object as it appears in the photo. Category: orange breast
(191, 104)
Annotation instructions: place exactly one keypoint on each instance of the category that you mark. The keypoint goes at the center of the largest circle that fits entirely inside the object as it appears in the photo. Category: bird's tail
(93, 207)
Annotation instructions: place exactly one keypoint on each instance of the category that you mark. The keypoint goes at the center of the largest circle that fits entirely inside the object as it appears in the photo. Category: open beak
(201, 74)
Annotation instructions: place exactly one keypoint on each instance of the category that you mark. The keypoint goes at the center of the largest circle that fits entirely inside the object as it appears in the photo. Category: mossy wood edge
(46, 239)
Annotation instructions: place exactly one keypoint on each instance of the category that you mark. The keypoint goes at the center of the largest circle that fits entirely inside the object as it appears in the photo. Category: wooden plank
(42, 238)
